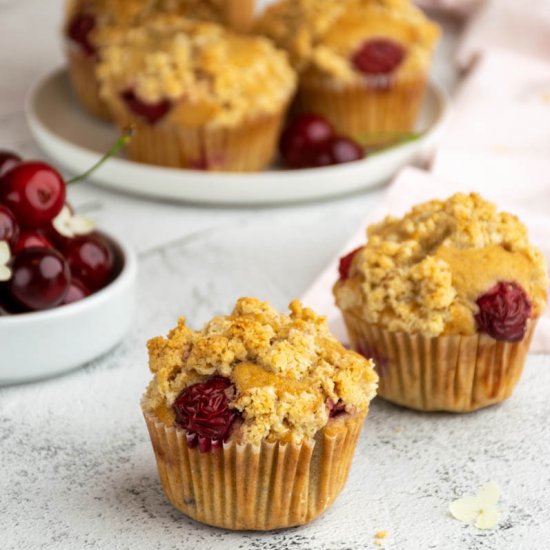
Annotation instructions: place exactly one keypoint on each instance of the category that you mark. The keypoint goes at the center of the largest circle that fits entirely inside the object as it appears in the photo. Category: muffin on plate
(199, 96)
(260, 396)
(363, 64)
(85, 21)
(445, 300)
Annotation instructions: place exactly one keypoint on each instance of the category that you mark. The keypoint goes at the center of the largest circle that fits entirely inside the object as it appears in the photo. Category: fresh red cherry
(40, 279)
(7, 161)
(503, 312)
(345, 263)
(151, 112)
(301, 137)
(34, 192)
(91, 260)
(336, 150)
(203, 411)
(77, 291)
(79, 31)
(9, 229)
(378, 56)
(31, 239)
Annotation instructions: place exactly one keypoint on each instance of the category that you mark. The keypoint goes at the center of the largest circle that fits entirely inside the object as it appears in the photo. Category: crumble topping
(322, 35)
(213, 76)
(285, 369)
(423, 273)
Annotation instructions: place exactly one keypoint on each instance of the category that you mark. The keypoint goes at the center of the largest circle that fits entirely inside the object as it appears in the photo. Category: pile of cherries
(310, 141)
(44, 264)
(503, 311)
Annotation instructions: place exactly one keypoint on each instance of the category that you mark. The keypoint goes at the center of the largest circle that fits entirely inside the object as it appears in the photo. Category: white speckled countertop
(77, 470)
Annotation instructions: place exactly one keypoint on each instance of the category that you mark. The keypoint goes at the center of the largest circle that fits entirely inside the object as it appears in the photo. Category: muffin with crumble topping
(446, 300)
(363, 64)
(86, 21)
(196, 94)
(271, 398)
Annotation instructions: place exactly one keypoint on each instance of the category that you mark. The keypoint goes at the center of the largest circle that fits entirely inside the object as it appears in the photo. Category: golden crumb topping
(132, 12)
(213, 76)
(286, 369)
(424, 272)
(321, 36)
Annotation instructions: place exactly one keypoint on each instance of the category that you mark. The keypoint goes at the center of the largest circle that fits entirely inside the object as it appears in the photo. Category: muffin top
(350, 39)
(448, 267)
(283, 376)
(208, 75)
(131, 12)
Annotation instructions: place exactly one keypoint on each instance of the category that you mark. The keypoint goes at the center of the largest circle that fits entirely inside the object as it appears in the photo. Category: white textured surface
(77, 470)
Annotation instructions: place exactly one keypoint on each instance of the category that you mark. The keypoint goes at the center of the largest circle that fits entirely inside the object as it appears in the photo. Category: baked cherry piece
(336, 150)
(302, 137)
(335, 409)
(203, 411)
(34, 192)
(9, 229)
(151, 112)
(503, 312)
(378, 56)
(7, 161)
(31, 239)
(345, 263)
(79, 31)
(76, 292)
(40, 279)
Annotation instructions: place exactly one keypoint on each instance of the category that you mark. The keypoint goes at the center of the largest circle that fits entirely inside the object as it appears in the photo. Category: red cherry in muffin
(503, 312)
(336, 150)
(345, 263)
(79, 31)
(301, 137)
(203, 411)
(40, 279)
(336, 409)
(31, 239)
(150, 112)
(378, 56)
(91, 260)
(34, 192)
(9, 229)
(7, 161)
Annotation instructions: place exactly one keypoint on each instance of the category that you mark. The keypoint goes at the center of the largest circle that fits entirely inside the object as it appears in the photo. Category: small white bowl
(45, 343)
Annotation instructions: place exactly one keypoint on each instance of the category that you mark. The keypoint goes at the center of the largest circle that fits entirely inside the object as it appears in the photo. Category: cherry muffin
(445, 300)
(363, 64)
(86, 19)
(259, 396)
(197, 94)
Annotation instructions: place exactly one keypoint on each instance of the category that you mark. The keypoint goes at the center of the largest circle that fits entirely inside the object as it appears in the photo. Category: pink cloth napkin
(413, 186)
(519, 25)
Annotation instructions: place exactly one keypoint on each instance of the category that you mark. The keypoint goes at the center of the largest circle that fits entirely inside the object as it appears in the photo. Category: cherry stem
(388, 139)
(121, 142)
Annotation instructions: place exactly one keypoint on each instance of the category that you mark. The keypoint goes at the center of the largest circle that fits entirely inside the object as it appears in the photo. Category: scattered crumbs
(501, 149)
(380, 538)
(480, 509)
(546, 97)
(397, 429)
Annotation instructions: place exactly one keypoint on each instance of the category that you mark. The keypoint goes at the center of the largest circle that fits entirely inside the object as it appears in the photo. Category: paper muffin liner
(248, 147)
(85, 84)
(239, 14)
(245, 487)
(445, 373)
(375, 111)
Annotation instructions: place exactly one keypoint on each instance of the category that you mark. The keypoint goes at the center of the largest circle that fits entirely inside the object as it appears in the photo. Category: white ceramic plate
(45, 343)
(76, 141)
